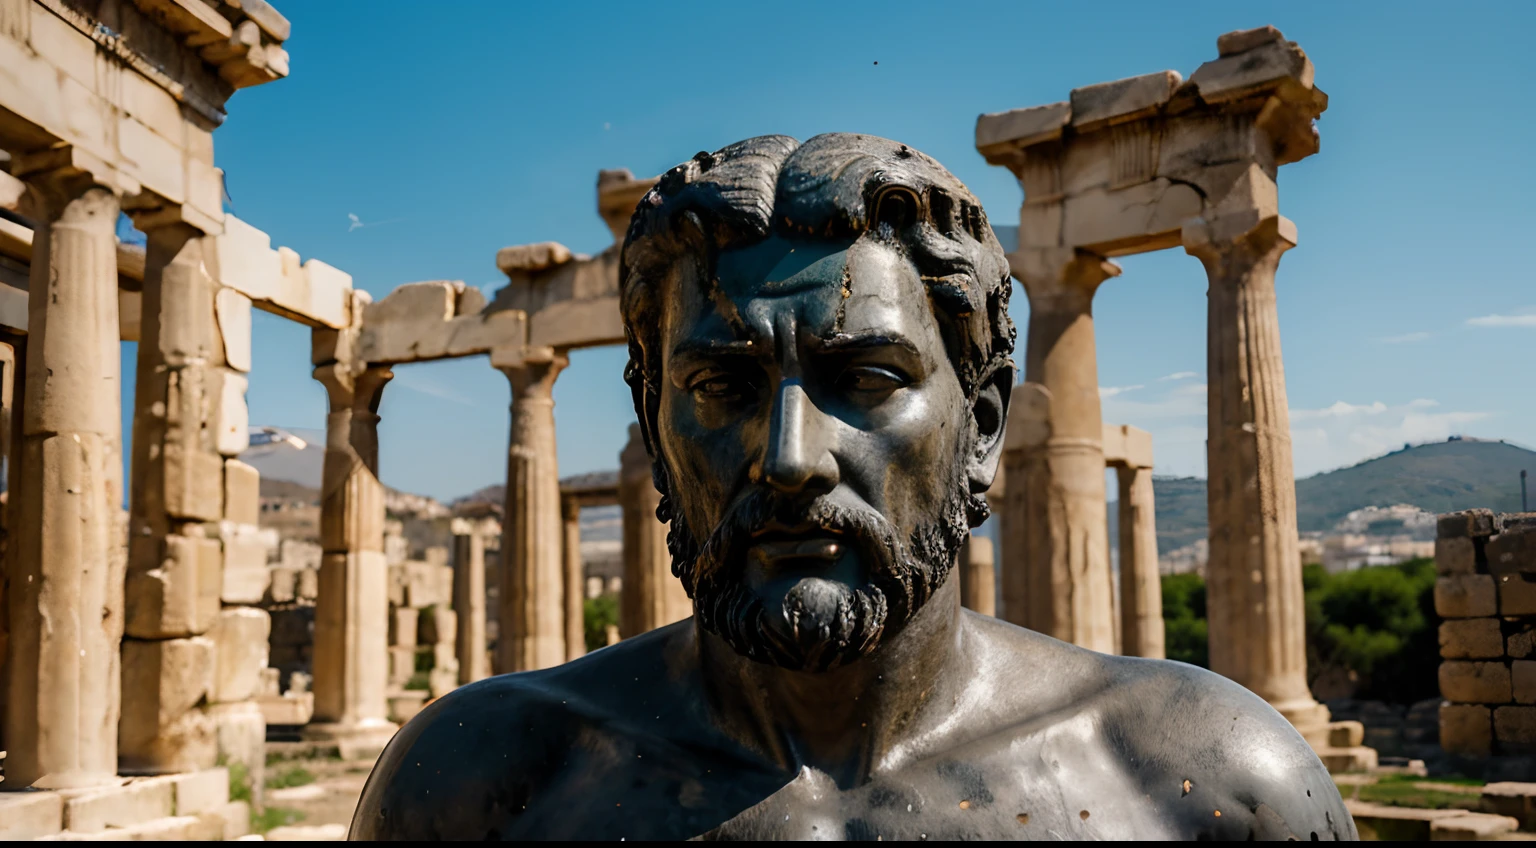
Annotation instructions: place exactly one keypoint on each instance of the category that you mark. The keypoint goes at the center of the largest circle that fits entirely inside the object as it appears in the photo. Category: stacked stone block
(195, 641)
(1486, 594)
(422, 630)
(285, 709)
(292, 587)
(190, 806)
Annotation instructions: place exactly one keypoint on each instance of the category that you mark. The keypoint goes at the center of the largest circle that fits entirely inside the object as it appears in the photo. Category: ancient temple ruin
(1130, 166)
(136, 642)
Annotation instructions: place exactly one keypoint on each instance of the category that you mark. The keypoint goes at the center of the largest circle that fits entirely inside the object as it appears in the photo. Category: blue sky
(1408, 310)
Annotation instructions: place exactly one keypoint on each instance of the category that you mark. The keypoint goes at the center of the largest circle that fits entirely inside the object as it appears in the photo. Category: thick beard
(822, 624)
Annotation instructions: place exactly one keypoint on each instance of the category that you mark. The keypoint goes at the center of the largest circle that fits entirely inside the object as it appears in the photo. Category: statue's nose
(798, 458)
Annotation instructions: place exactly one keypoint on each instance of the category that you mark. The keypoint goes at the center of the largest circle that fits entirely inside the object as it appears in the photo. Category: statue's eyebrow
(853, 342)
(712, 348)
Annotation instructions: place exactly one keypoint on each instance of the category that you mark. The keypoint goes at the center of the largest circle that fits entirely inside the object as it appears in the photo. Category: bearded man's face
(815, 438)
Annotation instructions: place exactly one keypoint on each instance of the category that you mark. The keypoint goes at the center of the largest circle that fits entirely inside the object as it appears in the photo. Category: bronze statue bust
(820, 357)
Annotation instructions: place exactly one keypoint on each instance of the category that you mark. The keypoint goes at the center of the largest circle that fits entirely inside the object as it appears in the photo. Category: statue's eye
(720, 386)
(872, 380)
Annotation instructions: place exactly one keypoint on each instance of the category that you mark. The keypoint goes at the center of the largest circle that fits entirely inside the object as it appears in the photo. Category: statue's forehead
(776, 267)
(818, 288)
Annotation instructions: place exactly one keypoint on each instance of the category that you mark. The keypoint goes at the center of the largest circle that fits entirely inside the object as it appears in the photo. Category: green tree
(596, 614)
(1184, 626)
(1377, 625)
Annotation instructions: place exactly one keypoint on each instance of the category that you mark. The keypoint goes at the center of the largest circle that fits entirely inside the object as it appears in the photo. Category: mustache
(723, 554)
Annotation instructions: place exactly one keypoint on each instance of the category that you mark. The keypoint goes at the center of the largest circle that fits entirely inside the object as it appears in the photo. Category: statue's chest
(1033, 786)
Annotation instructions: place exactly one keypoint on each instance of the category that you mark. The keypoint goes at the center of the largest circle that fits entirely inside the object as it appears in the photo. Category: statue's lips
(777, 546)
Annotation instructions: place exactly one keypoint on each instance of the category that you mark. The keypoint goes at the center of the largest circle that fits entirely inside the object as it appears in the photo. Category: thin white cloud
(1527, 320)
(1334, 436)
(431, 388)
(356, 223)
(1111, 391)
(1406, 338)
(1177, 375)
(1346, 433)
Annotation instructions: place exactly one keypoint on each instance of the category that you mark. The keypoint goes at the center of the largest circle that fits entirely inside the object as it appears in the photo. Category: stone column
(575, 631)
(469, 600)
(532, 615)
(65, 591)
(352, 610)
(978, 589)
(15, 387)
(1072, 595)
(651, 596)
(1012, 515)
(1141, 588)
(1254, 591)
(175, 565)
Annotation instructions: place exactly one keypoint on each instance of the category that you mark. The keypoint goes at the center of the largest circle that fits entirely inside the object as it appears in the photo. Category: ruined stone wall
(423, 660)
(290, 600)
(1486, 594)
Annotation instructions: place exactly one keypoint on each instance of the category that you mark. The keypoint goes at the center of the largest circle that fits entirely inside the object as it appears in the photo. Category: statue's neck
(850, 721)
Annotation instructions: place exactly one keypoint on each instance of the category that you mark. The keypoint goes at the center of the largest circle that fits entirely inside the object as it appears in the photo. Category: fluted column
(532, 615)
(1254, 591)
(469, 601)
(15, 343)
(1141, 588)
(65, 585)
(1071, 595)
(651, 597)
(352, 608)
(978, 590)
(575, 631)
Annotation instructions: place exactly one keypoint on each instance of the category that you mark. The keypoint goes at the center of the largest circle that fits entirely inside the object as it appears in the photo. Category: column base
(362, 740)
(1337, 743)
(74, 782)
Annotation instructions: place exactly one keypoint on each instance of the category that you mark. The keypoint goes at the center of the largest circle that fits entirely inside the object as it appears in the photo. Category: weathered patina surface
(821, 363)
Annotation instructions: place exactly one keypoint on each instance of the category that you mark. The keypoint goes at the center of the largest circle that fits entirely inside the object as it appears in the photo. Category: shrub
(596, 614)
(1184, 626)
(1375, 626)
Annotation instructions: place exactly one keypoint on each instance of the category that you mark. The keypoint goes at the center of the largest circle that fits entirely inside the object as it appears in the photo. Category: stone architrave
(651, 596)
(531, 621)
(469, 602)
(1071, 596)
(352, 609)
(1257, 620)
(65, 595)
(978, 590)
(575, 630)
(1141, 590)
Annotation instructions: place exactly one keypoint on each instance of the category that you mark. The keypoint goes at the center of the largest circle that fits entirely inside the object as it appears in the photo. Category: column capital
(353, 389)
(63, 172)
(1253, 232)
(533, 371)
(150, 212)
(1051, 274)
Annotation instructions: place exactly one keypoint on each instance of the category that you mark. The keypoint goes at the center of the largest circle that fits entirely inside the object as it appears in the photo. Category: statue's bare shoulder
(535, 754)
(1197, 743)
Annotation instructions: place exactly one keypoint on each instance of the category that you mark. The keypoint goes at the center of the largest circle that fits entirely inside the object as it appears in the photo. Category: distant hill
(294, 456)
(1436, 477)
(291, 463)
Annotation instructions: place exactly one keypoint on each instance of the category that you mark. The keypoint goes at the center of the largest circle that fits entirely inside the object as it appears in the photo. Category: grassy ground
(291, 776)
(1401, 790)
(291, 766)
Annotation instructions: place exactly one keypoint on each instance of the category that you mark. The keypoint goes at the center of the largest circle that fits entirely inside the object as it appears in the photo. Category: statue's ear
(989, 414)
